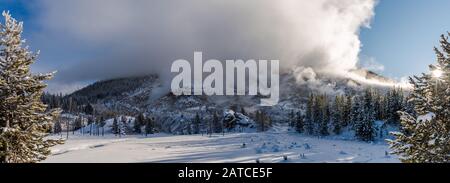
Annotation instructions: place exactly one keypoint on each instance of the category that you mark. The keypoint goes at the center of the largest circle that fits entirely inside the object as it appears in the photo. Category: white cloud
(144, 36)
(370, 63)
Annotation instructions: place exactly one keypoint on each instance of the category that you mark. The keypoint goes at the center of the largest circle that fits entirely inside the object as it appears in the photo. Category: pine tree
(364, 125)
(324, 118)
(217, 125)
(89, 109)
(196, 123)
(122, 126)
(78, 125)
(57, 128)
(212, 123)
(309, 125)
(394, 104)
(91, 122)
(425, 134)
(24, 121)
(138, 123)
(299, 123)
(292, 119)
(346, 111)
(317, 115)
(356, 111)
(263, 120)
(149, 125)
(102, 124)
(115, 127)
(337, 115)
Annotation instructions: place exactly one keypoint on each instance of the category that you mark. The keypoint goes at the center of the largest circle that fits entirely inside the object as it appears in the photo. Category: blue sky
(404, 33)
(401, 37)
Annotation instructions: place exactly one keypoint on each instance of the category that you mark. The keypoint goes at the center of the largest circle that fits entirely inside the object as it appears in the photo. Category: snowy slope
(268, 147)
(146, 94)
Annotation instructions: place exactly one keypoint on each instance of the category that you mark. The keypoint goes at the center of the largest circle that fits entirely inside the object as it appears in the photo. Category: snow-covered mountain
(146, 94)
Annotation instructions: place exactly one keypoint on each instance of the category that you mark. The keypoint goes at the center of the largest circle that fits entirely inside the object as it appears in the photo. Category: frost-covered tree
(325, 115)
(337, 113)
(356, 113)
(377, 104)
(346, 110)
(394, 103)
(309, 125)
(292, 119)
(363, 126)
(123, 126)
(425, 134)
(317, 115)
(24, 120)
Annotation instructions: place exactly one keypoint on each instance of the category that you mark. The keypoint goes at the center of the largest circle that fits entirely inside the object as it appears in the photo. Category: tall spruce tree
(394, 104)
(425, 134)
(57, 127)
(149, 125)
(309, 125)
(196, 123)
(356, 113)
(364, 129)
(115, 126)
(317, 115)
(138, 123)
(325, 116)
(24, 120)
(337, 113)
(292, 119)
(299, 123)
(346, 111)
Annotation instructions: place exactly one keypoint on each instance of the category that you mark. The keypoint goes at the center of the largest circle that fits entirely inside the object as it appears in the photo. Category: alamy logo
(238, 75)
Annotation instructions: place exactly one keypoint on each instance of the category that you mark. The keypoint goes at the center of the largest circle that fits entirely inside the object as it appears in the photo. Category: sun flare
(437, 73)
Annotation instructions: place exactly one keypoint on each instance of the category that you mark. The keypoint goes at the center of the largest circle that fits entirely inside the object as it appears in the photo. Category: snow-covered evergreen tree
(377, 105)
(425, 134)
(337, 113)
(346, 111)
(24, 120)
(356, 114)
(309, 125)
(394, 104)
(325, 116)
(317, 115)
(123, 127)
(364, 125)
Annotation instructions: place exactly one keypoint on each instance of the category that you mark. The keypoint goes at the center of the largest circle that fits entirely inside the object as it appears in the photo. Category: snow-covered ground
(268, 147)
